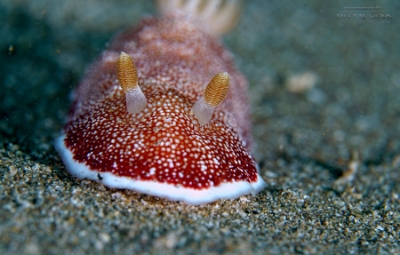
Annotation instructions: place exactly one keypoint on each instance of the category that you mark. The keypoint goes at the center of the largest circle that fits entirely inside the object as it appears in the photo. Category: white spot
(152, 170)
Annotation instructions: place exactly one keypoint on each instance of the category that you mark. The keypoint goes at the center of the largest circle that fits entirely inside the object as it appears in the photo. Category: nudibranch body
(157, 141)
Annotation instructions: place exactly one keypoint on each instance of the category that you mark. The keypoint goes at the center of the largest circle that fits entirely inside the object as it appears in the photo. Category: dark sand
(305, 140)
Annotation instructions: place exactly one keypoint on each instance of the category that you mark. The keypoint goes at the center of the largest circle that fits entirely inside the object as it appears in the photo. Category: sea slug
(163, 111)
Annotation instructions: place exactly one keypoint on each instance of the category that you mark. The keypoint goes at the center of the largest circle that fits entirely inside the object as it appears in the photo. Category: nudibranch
(163, 111)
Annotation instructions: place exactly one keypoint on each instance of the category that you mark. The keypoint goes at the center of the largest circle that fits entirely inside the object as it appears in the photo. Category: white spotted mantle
(163, 151)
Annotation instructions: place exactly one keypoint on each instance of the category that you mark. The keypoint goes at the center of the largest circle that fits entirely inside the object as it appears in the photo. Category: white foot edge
(164, 190)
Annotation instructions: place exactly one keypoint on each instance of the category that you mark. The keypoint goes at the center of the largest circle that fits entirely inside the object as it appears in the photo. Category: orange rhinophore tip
(214, 94)
(127, 74)
(217, 89)
(128, 79)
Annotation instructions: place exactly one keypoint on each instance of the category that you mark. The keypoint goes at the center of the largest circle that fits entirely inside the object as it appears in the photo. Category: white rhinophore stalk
(135, 100)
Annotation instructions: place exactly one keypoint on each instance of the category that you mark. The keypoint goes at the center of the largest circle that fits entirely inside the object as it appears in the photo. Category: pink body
(164, 144)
